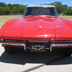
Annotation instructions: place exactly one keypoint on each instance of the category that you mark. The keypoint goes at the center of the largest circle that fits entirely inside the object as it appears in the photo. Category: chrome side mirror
(60, 15)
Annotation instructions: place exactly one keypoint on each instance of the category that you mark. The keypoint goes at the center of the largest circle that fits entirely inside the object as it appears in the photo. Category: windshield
(34, 11)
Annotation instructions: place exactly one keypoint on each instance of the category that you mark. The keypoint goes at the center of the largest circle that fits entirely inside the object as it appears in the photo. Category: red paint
(25, 28)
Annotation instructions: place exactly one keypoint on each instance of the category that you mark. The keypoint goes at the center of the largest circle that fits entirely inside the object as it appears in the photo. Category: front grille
(21, 41)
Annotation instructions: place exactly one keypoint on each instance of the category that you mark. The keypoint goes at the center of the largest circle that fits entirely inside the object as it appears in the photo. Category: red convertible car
(39, 29)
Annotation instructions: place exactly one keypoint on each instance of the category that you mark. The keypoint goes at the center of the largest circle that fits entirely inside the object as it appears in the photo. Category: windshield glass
(34, 11)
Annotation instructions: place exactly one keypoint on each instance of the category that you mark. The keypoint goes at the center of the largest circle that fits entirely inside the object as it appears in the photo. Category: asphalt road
(21, 61)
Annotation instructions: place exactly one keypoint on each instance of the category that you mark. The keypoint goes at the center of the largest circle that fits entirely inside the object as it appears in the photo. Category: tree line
(6, 9)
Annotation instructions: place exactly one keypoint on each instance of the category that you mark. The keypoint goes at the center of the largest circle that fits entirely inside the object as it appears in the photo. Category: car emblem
(59, 26)
(38, 26)
(38, 47)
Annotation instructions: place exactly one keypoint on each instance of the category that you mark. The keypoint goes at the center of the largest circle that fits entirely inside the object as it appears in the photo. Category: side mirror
(60, 15)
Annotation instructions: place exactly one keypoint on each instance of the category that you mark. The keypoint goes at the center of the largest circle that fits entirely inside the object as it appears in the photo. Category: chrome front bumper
(24, 45)
(16, 44)
(59, 45)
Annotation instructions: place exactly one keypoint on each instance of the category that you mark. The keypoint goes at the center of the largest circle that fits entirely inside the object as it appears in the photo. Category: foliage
(14, 10)
(17, 8)
(1, 10)
(21, 9)
(2, 4)
(7, 10)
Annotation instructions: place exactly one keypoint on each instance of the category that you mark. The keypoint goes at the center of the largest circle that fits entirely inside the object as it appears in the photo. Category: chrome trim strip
(38, 41)
(16, 44)
(59, 45)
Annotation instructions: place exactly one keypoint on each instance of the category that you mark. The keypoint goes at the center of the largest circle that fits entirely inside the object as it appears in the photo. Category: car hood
(35, 21)
(37, 27)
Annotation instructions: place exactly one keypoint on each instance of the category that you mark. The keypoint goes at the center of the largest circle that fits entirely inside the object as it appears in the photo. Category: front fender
(7, 24)
(67, 23)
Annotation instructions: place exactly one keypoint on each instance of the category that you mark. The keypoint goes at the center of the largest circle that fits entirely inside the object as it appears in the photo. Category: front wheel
(9, 50)
(67, 51)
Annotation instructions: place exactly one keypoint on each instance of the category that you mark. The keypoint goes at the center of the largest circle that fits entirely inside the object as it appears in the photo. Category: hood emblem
(38, 26)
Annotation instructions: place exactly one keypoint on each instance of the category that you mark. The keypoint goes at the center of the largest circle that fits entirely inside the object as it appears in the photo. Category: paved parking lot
(21, 61)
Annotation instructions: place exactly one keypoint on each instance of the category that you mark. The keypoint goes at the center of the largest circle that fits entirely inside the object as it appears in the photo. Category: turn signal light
(3, 45)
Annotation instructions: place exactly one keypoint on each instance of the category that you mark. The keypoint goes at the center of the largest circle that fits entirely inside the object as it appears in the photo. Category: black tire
(67, 51)
(9, 50)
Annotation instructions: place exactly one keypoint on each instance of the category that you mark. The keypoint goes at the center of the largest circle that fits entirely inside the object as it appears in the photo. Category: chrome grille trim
(38, 41)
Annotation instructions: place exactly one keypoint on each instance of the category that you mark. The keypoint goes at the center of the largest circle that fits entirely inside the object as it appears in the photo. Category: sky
(33, 2)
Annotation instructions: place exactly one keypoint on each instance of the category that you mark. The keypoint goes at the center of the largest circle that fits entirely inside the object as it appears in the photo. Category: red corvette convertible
(39, 29)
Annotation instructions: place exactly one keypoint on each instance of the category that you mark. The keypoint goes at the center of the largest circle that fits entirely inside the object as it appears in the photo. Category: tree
(7, 10)
(58, 6)
(14, 10)
(17, 8)
(64, 12)
(45, 4)
(10, 6)
(64, 7)
(69, 11)
(16, 5)
(25, 5)
(1, 10)
(21, 9)
(2, 4)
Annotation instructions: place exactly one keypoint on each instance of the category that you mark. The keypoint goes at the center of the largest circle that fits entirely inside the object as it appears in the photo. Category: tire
(9, 50)
(67, 51)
